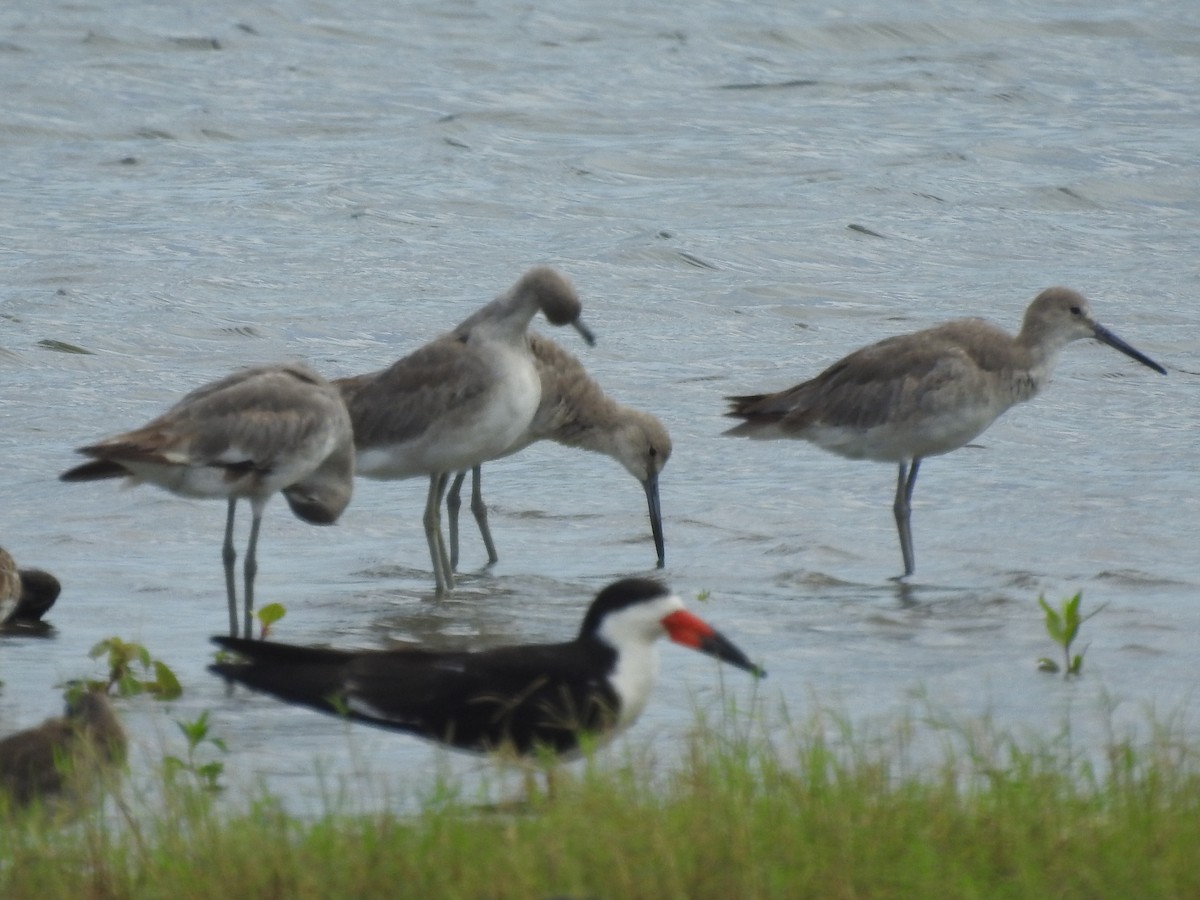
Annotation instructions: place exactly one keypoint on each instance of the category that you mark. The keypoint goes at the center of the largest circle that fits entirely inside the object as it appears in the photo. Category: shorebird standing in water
(926, 393)
(277, 428)
(576, 412)
(459, 400)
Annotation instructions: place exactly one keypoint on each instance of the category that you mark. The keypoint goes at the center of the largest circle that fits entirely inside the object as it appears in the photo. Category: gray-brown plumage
(575, 411)
(10, 584)
(64, 758)
(275, 428)
(459, 400)
(926, 393)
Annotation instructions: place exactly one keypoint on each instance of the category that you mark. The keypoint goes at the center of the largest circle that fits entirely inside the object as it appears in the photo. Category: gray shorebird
(926, 393)
(258, 432)
(64, 758)
(576, 412)
(459, 400)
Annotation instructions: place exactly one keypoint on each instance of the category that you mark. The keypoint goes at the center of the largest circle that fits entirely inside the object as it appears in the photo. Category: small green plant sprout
(1063, 627)
(207, 775)
(132, 670)
(704, 596)
(268, 616)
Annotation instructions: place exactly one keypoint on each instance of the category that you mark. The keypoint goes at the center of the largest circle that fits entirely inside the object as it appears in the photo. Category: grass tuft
(812, 811)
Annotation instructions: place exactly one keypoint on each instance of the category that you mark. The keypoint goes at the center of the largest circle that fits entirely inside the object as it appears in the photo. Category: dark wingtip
(95, 470)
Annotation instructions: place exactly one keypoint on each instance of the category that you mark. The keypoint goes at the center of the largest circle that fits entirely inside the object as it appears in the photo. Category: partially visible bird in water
(67, 759)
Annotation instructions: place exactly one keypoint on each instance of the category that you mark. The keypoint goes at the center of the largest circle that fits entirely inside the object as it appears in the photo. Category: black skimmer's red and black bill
(523, 699)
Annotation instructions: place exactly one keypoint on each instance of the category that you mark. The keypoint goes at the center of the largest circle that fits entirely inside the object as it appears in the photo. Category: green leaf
(271, 613)
(167, 686)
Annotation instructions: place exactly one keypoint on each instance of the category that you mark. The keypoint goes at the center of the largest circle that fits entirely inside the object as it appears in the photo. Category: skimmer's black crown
(619, 595)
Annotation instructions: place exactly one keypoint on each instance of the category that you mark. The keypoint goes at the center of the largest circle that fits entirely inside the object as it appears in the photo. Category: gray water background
(742, 193)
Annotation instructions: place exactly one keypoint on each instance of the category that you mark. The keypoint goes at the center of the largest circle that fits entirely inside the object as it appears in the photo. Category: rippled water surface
(742, 193)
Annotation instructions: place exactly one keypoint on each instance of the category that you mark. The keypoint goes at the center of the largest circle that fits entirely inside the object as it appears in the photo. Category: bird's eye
(653, 453)
(1076, 311)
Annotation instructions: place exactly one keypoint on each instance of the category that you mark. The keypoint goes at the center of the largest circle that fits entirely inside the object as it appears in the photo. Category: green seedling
(1063, 627)
(207, 775)
(132, 670)
(268, 616)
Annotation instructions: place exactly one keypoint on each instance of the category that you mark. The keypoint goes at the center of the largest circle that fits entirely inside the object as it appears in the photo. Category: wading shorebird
(276, 428)
(926, 393)
(459, 400)
(520, 700)
(576, 412)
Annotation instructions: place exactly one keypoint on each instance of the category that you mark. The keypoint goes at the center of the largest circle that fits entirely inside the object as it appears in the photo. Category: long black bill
(716, 644)
(660, 544)
(690, 630)
(584, 332)
(1107, 337)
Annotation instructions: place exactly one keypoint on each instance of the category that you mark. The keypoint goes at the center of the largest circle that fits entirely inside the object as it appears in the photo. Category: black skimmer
(521, 699)
(261, 431)
(65, 757)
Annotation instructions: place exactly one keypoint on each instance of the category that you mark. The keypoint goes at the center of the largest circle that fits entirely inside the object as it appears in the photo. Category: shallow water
(741, 195)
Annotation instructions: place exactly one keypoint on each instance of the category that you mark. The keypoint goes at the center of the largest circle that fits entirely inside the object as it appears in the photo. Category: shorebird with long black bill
(926, 393)
(518, 699)
(459, 400)
(258, 432)
(576, 412)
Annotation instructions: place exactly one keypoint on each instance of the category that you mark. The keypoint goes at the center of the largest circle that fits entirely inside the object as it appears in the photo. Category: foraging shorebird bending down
(277, 428)
(576, 412)
(926, 393)
(520, 699)
(63, 758)
(458, 401)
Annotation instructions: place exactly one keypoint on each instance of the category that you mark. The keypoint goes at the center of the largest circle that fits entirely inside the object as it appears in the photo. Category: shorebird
(926, 393)
(519, 699)
(275, 428)
(576, 412)
(25, 595)
(459, 400)
(63, 758)
(10, 584)
(39, 592)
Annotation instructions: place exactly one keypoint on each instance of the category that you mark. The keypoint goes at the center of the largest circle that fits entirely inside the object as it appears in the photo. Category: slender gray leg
(453, 505)
(443, 577)
(905, 483)
(229, 557)
(250, 569)
(479, 508)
